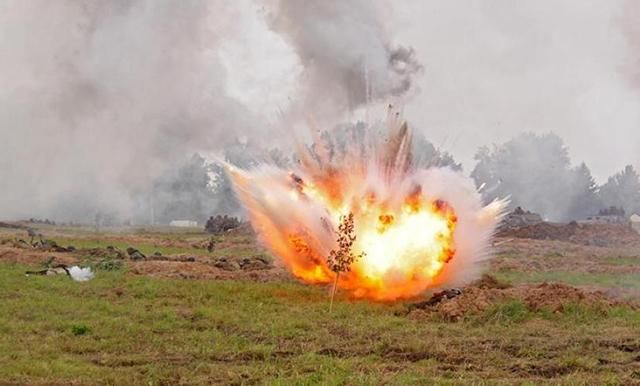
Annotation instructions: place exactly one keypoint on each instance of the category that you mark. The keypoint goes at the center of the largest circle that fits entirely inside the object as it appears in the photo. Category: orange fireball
(416, 229)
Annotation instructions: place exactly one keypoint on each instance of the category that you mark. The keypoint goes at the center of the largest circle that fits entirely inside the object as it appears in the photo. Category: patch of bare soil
(12, 225)
(542, 231)
(529, 255)
(33, 256)
(196, 270)
(473, 300)
(554, 297)
(254, 267)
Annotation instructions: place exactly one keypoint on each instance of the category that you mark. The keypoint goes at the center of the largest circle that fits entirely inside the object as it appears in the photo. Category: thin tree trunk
(333, 291)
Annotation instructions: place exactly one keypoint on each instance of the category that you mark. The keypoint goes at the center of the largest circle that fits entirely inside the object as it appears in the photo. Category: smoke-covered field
(187, 315)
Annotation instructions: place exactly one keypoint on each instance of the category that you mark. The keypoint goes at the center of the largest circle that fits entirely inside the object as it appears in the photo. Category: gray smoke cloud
(347, 54)
(98, 97)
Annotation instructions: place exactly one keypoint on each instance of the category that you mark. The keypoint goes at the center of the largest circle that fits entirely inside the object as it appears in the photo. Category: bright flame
(418, 228)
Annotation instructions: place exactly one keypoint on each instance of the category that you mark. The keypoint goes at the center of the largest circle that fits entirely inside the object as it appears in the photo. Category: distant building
(183, 224)
(635, 222)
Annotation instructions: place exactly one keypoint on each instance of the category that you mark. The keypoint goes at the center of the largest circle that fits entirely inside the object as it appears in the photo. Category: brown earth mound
(554, 297)
(15, 243)
(195, 270)
(473, 300)
(107, 253)
(488, 282)
(12, 226)
(542, 231)
(33, 257)
(601, 235)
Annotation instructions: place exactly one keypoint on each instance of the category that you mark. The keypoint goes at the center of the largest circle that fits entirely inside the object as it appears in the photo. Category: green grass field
(125, 329)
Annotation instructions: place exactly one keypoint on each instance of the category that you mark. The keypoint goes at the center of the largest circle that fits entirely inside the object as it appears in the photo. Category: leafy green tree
(183, 192)
(349, 137)
(583, 199)
(426, 155)
(622, 190)
(535, 172)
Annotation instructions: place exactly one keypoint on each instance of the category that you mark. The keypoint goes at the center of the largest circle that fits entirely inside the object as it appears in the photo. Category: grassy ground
(124, 329)
(165, 243)
(604, 279)
(149, 248)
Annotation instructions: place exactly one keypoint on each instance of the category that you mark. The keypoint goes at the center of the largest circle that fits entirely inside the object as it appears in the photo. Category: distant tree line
(533, 170)
(536, 173)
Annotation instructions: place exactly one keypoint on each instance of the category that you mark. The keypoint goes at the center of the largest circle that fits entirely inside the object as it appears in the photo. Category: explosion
(415, 229)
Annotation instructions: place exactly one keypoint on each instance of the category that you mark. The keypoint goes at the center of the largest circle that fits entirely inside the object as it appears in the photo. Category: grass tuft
(509, 312)
(79, 329)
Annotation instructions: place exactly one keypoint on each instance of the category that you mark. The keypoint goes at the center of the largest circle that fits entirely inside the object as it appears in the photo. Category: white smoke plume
(80, 273)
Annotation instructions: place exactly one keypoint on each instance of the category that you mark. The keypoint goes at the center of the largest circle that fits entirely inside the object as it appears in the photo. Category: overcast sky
(493, 69)
(497, 68)
(97, 97)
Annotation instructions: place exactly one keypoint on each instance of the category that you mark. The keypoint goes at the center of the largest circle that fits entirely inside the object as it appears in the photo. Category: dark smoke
(347, 55)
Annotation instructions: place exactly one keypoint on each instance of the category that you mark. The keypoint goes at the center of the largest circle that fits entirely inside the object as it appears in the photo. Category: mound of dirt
(473, 300)
(488, 282)
(554, 297)
(601, 235)
(252, 263)
(606, 235)
(178, 270)
(107, 253)
(49, 246)
(31, 257)
(196, 270)
(12, 225)
(541, 231)
(16, 243)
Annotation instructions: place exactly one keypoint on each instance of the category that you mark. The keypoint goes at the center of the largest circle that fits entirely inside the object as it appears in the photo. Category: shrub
(79, 329)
